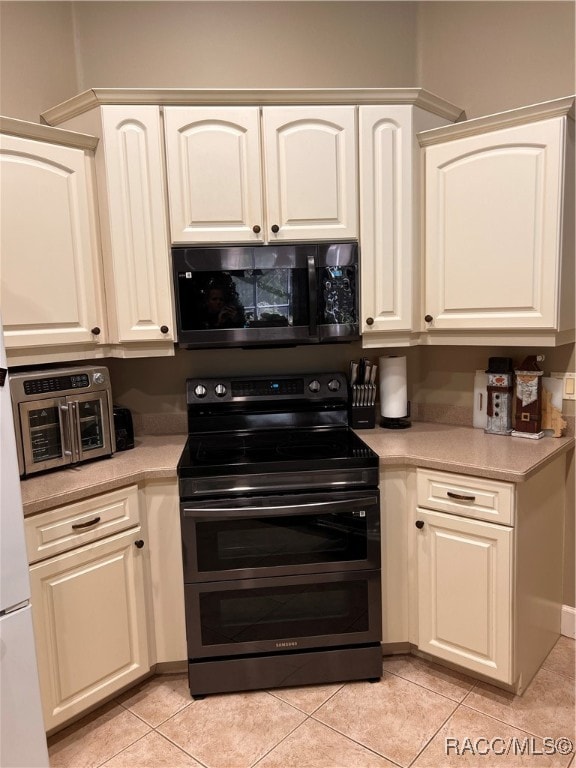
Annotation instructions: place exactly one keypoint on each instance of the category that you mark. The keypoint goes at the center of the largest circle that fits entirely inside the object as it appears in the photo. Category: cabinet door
(386, 209)
(311, 177)
(136, 242)
(50, 278)
(166, 571)
(90, 624)
(493, 228)
(465, 592)
(214, 174)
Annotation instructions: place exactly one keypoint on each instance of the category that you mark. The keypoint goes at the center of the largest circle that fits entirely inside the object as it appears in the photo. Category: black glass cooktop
(275, 450)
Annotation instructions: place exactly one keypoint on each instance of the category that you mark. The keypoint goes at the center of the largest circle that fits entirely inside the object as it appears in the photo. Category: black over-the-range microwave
(266, 295)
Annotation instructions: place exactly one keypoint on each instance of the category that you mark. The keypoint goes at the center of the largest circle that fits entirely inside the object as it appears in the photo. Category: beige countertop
(464, 449)
(153, 457)
(436, 446)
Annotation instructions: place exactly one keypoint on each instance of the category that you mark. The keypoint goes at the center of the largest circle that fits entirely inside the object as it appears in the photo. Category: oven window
(45, 434)
(281, 612)
(279, 541)
(245, 298)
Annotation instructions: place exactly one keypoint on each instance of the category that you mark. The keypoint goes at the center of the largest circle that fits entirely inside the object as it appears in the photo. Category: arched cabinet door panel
(50, 272)
(494, 229)
(311, 174)
(214, 174)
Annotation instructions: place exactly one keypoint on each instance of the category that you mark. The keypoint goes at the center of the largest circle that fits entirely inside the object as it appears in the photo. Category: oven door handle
(289, 509)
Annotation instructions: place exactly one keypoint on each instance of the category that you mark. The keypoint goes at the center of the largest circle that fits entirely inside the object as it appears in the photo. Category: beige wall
(493, 56)
(37, 57)
(246, 44)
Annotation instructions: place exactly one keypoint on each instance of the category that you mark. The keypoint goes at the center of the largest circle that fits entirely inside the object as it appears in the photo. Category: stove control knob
(200, 390)
(333, 385)
(220, 390)
(98, 378)
(314, 386)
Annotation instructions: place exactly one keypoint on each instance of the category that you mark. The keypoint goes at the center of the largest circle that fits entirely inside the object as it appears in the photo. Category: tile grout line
(431, 739)
(174, 744)
(432, 690)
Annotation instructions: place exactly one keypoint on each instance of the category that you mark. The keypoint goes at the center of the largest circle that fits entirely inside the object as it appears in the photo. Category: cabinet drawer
(464, 495)
(51, 533)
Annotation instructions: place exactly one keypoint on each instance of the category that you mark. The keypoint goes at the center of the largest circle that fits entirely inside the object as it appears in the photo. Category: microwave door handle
(65, 430)
(312, 292)
(290, 509)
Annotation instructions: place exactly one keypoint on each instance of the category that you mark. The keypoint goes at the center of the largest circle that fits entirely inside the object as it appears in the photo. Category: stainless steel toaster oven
(62, 417)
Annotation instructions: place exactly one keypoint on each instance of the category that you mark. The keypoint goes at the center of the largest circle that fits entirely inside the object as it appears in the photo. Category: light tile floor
(419, 714)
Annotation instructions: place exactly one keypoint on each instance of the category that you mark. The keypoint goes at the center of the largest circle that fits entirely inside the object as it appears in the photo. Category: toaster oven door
(46, 434)
(91, 435)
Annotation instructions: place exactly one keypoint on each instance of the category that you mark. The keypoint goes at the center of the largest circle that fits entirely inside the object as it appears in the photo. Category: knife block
(362, 416)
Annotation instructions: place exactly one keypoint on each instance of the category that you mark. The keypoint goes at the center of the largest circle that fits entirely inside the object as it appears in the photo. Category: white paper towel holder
(399, 422)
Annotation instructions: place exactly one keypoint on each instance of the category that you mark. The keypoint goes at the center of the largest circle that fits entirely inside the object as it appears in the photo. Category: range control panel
(318, 386)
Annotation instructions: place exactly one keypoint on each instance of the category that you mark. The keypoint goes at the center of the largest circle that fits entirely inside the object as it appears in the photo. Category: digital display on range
(258, 388)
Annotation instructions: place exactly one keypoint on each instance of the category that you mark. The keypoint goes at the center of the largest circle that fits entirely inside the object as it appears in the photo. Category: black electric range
(280, 519)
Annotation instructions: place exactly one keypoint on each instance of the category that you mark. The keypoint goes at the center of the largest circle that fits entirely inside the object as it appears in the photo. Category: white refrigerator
(22, 735)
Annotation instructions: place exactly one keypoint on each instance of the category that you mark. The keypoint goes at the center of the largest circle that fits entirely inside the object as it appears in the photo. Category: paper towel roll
(393, 387)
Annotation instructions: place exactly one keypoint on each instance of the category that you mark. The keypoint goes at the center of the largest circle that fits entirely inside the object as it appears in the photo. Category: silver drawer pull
(460, 496)
(79, 526)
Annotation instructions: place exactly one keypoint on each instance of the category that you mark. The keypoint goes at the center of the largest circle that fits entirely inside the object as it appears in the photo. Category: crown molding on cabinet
(479, 125)
(28, 130)
(255, 97)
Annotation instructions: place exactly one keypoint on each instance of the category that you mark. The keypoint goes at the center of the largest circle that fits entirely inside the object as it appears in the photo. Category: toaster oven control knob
(98, 378)
(200, 390)
(314, 386)
(220, 390)
(333, 385)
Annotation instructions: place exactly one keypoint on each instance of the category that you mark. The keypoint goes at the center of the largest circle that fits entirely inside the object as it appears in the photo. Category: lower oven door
(280, 535)
(288, 613)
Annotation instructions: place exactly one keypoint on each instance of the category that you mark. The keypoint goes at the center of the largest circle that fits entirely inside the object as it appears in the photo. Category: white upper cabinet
(390, 222)
(50, 281)
(134, 226)
(310, 169)
(218, 179)
(214, 173)
(500, 228)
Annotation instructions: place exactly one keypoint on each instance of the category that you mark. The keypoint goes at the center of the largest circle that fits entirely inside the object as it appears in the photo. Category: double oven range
(280, 536)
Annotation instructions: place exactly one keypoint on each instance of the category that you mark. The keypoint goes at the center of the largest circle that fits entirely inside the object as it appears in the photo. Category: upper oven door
(280, 535)
(236, 297)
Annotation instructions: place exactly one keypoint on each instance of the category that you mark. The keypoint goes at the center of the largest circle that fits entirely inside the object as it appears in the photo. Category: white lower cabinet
(472, 569)
(167, 627)
(465, 592)
(88, 605)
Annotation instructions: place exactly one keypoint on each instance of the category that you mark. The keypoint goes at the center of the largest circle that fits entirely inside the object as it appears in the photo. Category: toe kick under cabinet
(88, 601)
(483, 564)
